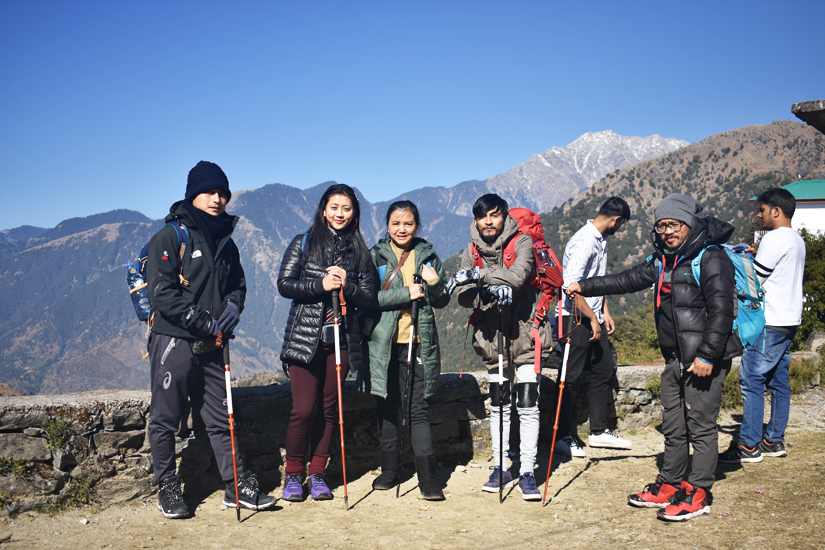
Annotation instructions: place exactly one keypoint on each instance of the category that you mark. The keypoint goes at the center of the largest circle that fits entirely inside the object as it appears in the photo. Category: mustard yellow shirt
(402, 332)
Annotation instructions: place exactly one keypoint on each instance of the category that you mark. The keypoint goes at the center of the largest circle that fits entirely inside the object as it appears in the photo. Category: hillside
(723, 171)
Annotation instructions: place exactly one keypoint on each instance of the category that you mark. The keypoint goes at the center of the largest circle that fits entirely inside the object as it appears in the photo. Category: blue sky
(108, 105)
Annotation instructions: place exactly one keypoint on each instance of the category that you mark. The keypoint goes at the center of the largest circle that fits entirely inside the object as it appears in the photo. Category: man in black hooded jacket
(194, 298)
(694, 321)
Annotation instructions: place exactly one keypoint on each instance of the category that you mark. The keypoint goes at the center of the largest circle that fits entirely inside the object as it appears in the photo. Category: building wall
(810, 215)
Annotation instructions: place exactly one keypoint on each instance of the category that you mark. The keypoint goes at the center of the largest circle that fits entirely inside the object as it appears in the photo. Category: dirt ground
(587, 508)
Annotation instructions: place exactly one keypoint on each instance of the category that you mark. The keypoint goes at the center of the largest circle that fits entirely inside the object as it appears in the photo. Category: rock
(123, 418)
(64, 460)
(105, 441)
(457, 410)
(34, 432)
(814, 341)
(637, 377)
(445, 431)
(22, 446)
(12, 419)
(95, 467)
(117, 490)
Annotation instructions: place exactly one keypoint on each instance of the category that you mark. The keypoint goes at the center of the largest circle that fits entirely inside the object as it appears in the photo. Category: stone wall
(100, 439)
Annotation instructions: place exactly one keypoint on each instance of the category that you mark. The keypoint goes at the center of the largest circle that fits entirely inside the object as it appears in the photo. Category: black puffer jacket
(702, 313)
(186, 311)
(309, 302)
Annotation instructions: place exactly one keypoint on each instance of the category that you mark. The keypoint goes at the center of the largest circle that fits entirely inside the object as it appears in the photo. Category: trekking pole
(231, 419)
(417, 279)
(336, 313)
(500, 408)
(562, 376)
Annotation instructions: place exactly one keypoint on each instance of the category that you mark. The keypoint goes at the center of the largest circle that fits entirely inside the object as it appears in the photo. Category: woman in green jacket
(397, 259)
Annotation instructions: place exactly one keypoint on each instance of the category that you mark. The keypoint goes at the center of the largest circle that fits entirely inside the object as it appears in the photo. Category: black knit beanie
(204, 177)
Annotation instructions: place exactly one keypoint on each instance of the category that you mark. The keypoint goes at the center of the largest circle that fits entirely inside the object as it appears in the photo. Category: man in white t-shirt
(780, 264)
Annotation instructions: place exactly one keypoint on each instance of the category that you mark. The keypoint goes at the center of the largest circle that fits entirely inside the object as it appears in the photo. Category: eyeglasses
(663, 227)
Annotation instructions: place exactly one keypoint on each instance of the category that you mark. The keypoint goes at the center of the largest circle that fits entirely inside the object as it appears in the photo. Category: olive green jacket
(390, 304)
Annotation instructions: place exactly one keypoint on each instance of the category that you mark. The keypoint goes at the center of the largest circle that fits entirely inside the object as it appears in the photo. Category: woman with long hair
(398, 258)
(330, 258)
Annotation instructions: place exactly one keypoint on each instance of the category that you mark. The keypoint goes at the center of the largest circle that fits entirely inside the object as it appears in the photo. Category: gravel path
(587, 508)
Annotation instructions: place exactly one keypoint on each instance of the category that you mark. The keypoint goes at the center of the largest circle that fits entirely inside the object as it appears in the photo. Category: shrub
(58, 431)
(654, 387)
(731, 394)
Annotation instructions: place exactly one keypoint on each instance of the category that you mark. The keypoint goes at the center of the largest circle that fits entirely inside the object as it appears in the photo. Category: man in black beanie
(694, 321)
(195, 297)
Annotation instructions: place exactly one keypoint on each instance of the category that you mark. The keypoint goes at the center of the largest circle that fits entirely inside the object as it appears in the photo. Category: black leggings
(387, 411)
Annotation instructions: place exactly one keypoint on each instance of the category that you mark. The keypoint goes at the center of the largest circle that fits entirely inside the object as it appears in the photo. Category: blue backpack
(137, 281)
(749, 308)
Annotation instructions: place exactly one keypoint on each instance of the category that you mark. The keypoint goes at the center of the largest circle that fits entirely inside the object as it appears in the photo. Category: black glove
(210, 328)
(229, 319)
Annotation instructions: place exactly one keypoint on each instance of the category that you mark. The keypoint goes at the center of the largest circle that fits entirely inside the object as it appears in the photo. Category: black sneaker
(736, 455)
(777, 448)
(251, 495)
(170, 499)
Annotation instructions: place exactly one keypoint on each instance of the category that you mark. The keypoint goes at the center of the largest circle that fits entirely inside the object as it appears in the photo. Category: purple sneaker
(293, 489)
(318, 488)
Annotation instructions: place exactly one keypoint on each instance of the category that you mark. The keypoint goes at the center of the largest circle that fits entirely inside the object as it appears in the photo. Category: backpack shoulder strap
(477, 262)
(183, 242)
(695, 264)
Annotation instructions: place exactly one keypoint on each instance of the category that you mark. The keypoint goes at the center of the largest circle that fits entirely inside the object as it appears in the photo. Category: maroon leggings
(314, 404)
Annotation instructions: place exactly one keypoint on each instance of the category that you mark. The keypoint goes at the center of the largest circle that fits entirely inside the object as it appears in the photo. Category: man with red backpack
(495, 277)
(585, 256)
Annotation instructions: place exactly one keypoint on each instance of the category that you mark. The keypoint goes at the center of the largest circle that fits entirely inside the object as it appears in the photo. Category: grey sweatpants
(181, 377)
(691, 404)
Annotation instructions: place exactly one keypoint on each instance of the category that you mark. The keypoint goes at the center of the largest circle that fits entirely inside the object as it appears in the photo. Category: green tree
(813, 289)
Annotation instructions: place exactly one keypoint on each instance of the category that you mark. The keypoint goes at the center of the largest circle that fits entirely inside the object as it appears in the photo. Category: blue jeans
(766, 364)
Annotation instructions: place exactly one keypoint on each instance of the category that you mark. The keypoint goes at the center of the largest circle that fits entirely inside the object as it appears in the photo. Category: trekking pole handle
(417, 279)
(336, 304)
(225, 351)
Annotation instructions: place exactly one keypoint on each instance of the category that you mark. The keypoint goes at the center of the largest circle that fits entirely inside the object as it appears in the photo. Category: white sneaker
(569, 447)
(608, 439)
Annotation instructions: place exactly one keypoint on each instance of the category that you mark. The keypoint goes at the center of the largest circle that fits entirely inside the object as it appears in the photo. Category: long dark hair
(319, 233)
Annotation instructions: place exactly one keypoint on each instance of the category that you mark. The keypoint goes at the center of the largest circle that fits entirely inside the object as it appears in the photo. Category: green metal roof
(804, 190)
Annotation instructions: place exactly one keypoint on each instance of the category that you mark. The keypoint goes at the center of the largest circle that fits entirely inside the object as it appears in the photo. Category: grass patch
(81, 492)
(654, 387)
(19, 468)
(803, 373)
(58, 431)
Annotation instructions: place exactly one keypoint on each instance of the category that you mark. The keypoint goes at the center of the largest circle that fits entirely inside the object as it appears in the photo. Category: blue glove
(501, 293)
(462, 277)
(229, 319)
(210, 328)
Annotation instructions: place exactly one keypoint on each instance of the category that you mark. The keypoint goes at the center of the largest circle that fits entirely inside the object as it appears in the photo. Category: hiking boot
(568, 446)
(654, 495)
(318, 488)
(492, 484)
(608, 439)
(527, 487)
(170, 499)
(687, 503)
(389, 470)
(428, 484)
(736, 455)
(251, 496)
(777, 448)
(293, 488)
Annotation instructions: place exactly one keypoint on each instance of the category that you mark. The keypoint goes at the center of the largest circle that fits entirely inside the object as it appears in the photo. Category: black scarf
(214, 228)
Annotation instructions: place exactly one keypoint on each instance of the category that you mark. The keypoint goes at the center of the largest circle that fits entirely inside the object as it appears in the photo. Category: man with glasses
(585, 256)
(694, 321)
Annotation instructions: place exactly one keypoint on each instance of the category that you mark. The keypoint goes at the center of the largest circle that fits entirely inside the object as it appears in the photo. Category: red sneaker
(655, 495)
(687, 503)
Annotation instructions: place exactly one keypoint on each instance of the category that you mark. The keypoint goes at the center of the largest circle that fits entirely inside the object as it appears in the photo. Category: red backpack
(546, 277)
